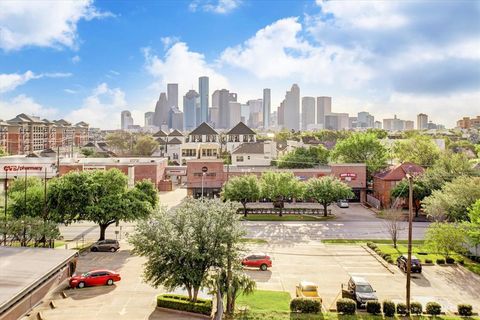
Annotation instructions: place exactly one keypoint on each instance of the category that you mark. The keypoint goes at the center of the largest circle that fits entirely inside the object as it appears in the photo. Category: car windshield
(86, 274)
(415, 261)
(309, 288)
(365, 288)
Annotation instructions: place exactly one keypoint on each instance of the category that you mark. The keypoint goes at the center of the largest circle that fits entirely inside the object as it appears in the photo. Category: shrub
(416, 308)
(303, 305)
(179, 302)
(387, 256)
(390, 260)
(346, 306)
(371, 245)
(373, 307)
(428, 261)
(464, 310)
(388, 308)
(461, 261)
(450, 260)
(433, 308)
(440, 261)
(401, 308)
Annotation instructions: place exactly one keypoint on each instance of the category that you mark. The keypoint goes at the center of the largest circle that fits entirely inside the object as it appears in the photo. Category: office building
(161, 111)
(409, 125)
(324, 106)
(223, 108)
(352, 122)
(126, 120)
(467, 123)
(190, 106)
(422, 121)
(291, 109)
(235, 113)
(255, 117)
(172, 95)
(213, 116)
(149, 118)
(281, 115)
(378, 125)
(204, 92)
(266, 107)
(336, 121)
(308, 112)
(175, 120)
(365, 120)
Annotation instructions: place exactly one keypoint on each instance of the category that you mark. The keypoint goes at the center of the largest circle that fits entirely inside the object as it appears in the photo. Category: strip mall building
(212, 174)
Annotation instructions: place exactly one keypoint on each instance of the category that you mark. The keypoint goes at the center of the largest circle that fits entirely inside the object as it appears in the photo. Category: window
(248, 157)
(239, 158)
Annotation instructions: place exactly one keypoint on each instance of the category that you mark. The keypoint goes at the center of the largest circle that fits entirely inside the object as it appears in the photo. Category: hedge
(346, 306)
(440, 261)
(388, 308)
(433, 308)
(450, 260)
(303, 305)
(416, 308)
(428, 261)
(465, 310)
(373, 307)
(179, 302)
(401, 308)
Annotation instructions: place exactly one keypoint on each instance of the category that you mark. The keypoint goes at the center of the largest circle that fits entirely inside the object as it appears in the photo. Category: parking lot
(327, 265)
(331, 265)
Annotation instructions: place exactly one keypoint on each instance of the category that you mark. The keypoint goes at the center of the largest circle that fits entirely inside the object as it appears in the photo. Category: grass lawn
(265, 301)
(285, 217)
(418, 250)
(253, 241)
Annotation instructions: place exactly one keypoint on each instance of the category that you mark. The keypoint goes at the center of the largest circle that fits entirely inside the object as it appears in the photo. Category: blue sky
(88, 60)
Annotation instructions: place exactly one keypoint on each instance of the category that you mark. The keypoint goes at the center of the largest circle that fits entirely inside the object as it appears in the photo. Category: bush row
(179, 302)
(303, 305)
(348, 306)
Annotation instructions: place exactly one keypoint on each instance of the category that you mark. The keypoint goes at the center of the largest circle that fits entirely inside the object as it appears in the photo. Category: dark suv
(105, 245)
(359, 290)
(402, 263)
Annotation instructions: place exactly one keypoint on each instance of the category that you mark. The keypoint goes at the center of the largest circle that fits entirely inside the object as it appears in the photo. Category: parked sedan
(94, 278)
(105, 245)
(402, 263)
(258, 260)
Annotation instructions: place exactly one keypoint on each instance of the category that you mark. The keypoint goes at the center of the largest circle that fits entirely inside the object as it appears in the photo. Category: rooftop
(21, 269)
(241, 128)
(204, 129)
(250, 148)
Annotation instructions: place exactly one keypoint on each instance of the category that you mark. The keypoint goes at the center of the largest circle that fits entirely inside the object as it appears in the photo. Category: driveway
(331, 265)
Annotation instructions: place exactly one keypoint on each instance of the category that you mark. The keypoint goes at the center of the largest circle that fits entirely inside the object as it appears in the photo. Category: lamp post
(203, 176)
(409, 257)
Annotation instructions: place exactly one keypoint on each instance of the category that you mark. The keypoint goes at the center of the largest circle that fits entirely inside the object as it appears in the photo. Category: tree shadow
(89, 292)
(258, 275)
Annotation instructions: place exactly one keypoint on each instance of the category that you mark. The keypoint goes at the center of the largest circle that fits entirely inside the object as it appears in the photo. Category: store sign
(176, 172)
(20, 167)
(348, 176)
(16, 168)
(91, 167)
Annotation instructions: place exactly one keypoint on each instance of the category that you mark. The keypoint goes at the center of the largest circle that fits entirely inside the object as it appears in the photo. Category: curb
(199, 315)
(385, 264)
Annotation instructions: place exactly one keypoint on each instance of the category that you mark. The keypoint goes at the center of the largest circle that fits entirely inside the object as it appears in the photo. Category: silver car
(342, 203)
(105, 245)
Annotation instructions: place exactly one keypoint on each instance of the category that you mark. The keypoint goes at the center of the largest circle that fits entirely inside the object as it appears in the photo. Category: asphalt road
(355, 222)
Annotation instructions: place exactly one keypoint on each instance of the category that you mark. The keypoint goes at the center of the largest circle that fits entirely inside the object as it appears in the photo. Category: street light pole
(25, 194)
(410, 217)
(203, 176)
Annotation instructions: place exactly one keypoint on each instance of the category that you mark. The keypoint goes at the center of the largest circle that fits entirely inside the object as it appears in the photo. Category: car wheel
(81, 285)
(109, 282)
(112, 249)
(263, 267)
(94, 249)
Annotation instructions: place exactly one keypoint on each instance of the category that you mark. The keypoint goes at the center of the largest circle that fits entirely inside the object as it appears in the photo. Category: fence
(276, 211)
(374, 202)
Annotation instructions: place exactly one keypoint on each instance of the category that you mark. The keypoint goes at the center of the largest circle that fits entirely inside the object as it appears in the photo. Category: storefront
(15, 167)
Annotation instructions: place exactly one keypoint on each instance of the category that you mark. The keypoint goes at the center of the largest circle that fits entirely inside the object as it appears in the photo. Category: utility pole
(25, 194)
(410, 217)
(6, 205)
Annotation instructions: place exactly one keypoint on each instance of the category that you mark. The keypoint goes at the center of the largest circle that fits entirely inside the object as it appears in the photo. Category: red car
(258, 260)
(94, 278)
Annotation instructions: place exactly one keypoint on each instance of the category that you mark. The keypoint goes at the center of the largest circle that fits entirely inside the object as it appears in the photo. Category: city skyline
(62, 67)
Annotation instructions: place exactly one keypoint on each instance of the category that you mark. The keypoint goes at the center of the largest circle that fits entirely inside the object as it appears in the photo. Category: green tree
(242, 189)
(145, 145)
(101, 197)
(26, 230)
(120, 142)
(27, 198)
(182, 245)
(304, 158)
(448, 167)
(2, 152)
(278, 187)
(419, 149)
(453, 200)
(420, 191)
(362, 148)
(87, 152)
(327, 190)
(445, 238)
(473, 227)
(380, 133)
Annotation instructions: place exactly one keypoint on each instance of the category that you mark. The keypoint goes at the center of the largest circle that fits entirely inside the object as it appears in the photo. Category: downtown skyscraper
(204, 92)
(266, 107)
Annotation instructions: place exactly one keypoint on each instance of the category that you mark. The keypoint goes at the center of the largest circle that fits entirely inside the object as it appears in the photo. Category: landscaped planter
(181, 303)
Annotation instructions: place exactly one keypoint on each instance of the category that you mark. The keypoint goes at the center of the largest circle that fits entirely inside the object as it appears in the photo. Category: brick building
(27, 134)
(136, 169)
(214, 174)
(467, 123)
(385, 181)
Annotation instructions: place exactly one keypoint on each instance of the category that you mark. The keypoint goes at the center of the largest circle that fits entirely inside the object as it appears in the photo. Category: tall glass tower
(203, 91)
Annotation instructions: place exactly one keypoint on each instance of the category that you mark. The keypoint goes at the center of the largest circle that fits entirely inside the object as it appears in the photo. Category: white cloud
(10, 81)
(182, 66)
(278, 51)
(70, 91)
(43, 23)
(23, 104)
(76, 59)
(215, 6)
(101, 107)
